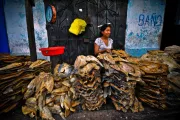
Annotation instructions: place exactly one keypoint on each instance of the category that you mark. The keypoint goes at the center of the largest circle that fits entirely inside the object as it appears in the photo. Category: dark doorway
(95, 12)
(171, 28)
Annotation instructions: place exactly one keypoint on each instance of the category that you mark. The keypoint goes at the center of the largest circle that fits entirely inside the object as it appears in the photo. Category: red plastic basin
(52, 51)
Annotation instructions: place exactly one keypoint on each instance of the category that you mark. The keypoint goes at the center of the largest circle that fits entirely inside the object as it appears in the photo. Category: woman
(103, 43)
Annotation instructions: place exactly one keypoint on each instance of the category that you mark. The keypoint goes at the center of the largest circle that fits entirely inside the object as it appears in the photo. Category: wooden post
(30, 29)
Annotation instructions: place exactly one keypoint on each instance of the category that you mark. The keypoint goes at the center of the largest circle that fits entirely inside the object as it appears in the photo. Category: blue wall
(4, 47)
(17, 28)
(144, 26)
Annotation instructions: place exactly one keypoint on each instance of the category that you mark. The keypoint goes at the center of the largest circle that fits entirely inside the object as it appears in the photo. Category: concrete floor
(107, 112)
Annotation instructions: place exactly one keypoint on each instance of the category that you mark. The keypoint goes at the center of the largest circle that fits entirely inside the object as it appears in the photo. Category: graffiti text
(150, 20)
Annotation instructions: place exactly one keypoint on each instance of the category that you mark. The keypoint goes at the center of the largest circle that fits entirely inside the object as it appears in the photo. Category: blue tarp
(4, 47)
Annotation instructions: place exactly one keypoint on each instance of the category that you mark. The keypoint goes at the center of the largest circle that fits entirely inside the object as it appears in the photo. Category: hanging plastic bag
(77, 26)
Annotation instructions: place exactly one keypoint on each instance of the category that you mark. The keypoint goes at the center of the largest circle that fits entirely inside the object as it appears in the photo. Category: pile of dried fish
(170, 57)
(161, 56)
(12, 84)
(174, 52)
(14, 79)
(120, 78)
(88, 85)
(6, 59)
(64, 90)
(51, 94)
(155, 77)
(36, 93)
(173, 95)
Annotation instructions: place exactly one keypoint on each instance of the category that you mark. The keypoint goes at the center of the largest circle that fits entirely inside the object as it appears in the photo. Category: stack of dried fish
(174, 52)
(14, 79)
(173, 95)
(51, 94)
(35, 95)
(64, 90)
(161, 56)
(155, 77)
(174, 76)
(119, 80)
(12, 84)
(88, 86)
(169, 57)
(6, 59)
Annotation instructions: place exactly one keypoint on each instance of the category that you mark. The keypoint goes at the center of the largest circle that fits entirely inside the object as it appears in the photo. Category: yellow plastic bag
(77, 26)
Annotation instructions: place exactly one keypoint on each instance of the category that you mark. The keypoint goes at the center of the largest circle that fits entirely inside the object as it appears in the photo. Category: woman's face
(107, 32)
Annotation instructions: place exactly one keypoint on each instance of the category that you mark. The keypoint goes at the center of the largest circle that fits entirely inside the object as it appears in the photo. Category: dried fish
(133, 60)
(107, 57)
(11, 104)
(83, 60)
(72, 109)
(37, 63)
(162, 57)
(49, 82)
(88, 82)
(66, 83)
(87, 69)
(56, 70)
(120, 53)
(45, 81)
(64, 70)
(8, 90)
(51, 104)
(174, 78)
(153, 68)
(155, 77)
(49, 98)
(62, 115)
(75, 103)
(60, 90)
(120, 78)
(31, 88)
(62, 97)
(91, 58)
(46, 113)
(40, 103)
(56, 109)
(10, 66)
(11, 75)
(32, 102)
(15, 76)
(27, 110)
(67, 102)
(7, 109)
(173, 88)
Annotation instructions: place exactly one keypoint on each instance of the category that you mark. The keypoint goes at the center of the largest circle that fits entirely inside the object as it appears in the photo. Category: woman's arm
(97, 51)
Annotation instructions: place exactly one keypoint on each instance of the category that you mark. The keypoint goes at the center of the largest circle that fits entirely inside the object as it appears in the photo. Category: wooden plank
(30, 29)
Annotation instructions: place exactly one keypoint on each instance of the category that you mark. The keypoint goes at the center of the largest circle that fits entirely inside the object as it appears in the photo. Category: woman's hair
(102, 28)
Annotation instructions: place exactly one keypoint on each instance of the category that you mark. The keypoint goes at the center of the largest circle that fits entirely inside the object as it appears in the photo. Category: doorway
(171, 29)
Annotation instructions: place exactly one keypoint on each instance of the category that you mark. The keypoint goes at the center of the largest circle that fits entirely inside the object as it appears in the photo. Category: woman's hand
(108, 50)
(97, 51)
